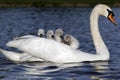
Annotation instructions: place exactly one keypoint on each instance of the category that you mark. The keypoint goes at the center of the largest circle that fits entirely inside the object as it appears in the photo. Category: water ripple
(75, 21)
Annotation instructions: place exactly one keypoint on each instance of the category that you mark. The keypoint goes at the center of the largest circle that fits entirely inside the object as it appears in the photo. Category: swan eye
(110, 12)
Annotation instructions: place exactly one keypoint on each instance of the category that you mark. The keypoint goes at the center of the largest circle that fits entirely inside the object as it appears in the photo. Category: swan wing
(19, 57)
(50, 50)
(22, 37)
(13, 56)
(47, 49)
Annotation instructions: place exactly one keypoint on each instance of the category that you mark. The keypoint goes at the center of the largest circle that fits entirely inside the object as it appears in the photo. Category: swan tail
(13, 56)
(19, 57)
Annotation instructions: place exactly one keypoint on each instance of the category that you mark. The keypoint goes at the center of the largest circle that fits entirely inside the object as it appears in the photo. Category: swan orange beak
(111, 18)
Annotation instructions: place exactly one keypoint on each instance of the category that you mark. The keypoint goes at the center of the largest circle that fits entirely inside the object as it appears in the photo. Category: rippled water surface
(75, 21)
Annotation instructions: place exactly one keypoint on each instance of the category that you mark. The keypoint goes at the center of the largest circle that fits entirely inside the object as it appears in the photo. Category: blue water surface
(75, 21)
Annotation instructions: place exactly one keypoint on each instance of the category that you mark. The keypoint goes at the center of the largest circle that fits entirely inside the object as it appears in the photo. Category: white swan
(71, 41)
(50, 34)
(59, 35)
(53, 51)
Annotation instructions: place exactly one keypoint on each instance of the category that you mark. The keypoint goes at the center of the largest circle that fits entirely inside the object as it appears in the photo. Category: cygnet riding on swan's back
(59, 35)
(53, 51)
(71, 41)
(50, 34)
(41, 33)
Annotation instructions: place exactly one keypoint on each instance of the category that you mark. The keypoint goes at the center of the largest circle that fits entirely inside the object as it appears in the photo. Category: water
(75, 21)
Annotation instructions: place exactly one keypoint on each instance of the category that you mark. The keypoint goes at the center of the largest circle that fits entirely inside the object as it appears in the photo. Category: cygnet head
(41, 32)
(67, 39)
(50, 34)
(59, 32)
(59, 35)
(106, 11)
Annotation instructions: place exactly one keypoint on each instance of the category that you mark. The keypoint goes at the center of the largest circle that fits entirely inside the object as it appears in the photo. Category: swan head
(106, 11)
(50, 34)
(41, 32)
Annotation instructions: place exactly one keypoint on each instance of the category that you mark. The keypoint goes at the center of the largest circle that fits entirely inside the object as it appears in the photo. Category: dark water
(75, 21)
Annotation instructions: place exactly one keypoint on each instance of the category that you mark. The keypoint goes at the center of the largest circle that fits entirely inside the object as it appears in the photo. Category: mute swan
(50, 34)
(53, 51)
(71, 41)
(59, 35)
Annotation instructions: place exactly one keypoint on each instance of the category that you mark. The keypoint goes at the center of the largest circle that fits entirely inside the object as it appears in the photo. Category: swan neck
(100, 46)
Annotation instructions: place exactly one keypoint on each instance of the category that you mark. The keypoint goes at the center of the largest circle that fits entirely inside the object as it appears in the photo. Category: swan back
(44, 49)
(23, 37)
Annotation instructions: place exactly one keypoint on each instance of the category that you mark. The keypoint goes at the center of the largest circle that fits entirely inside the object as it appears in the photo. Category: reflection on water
(47, 70)
(23, 21)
